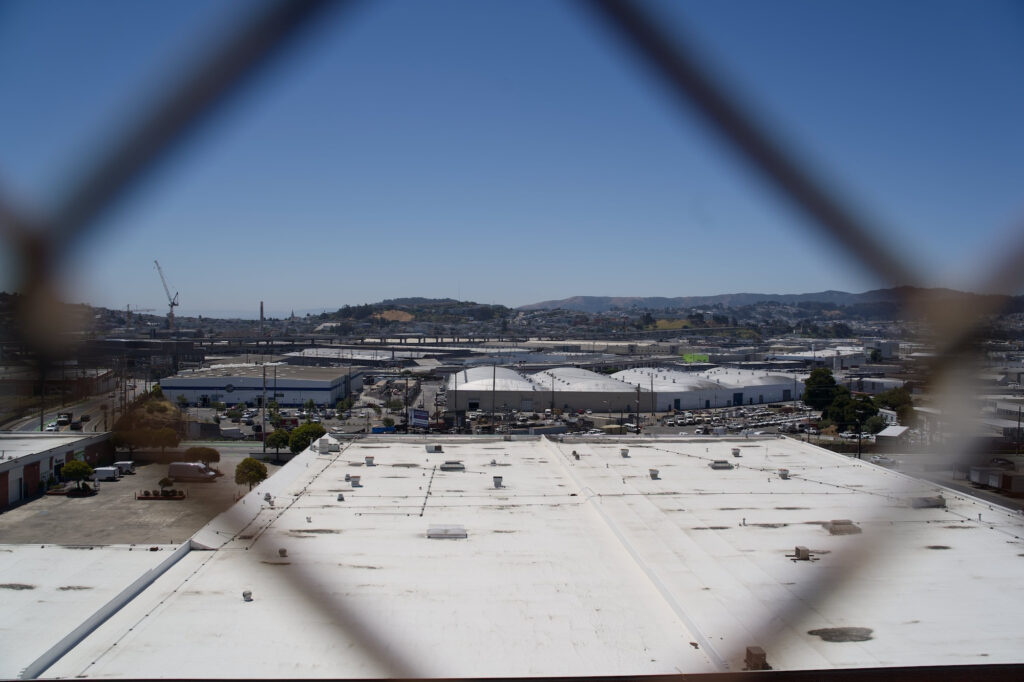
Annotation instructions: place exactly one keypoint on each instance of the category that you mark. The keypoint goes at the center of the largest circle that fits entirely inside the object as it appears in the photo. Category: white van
(190, 471)
(106, 474)
(125, 467)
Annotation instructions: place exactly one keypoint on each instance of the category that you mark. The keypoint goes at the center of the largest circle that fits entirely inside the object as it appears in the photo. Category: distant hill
(600, 304)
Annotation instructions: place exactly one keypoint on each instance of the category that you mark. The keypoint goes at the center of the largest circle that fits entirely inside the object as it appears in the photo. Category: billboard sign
(419, 418)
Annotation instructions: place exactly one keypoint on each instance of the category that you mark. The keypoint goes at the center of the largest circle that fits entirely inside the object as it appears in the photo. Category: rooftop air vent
(448, 532)
(842, 527)
(654, 474)
(452, 465)
(624, 452)
(434, 448)
(938, 502)
(756, 659)
(721, 464)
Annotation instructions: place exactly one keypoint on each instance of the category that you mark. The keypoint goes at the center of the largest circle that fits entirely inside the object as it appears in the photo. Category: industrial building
(486, 557)
(717, 387)
(28, 460)
(644, 388)
(287, 384)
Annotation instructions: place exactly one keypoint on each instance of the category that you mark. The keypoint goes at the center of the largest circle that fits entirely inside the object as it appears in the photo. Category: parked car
(85, 417)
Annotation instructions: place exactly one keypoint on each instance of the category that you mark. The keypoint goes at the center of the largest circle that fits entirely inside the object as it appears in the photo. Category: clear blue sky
(509, 152)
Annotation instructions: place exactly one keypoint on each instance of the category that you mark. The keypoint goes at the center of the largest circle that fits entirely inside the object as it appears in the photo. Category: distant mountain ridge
(600, 304)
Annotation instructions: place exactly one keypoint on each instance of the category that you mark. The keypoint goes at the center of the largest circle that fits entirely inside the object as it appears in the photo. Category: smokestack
(261, 318)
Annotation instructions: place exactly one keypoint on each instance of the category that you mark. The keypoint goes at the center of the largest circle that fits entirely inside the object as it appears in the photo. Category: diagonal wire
(668, 57)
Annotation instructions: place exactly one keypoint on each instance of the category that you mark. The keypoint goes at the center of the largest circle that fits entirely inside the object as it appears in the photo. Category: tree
(202, 454)
(820, 388)
(387, 421)
(157, 392)
(309, 405)
(395, 405)
(273, 406)
(76, 471)
(278, 439)
(894, 398)
(876, 355)
(165, 482)
(164, 438)
(302, 436)
(182, 401)
(219, 406)
(874, 424)
(847, 411)
(250, 471)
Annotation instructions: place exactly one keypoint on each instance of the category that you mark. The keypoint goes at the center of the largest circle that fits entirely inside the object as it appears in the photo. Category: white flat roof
(46, 591)
(581, 566)
(16, 444)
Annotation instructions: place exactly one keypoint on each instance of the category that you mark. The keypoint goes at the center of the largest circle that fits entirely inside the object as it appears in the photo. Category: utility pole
(653, 400)
(1018, 429)
(263, 407)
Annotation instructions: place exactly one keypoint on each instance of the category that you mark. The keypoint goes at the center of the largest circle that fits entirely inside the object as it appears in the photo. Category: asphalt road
(90, 406)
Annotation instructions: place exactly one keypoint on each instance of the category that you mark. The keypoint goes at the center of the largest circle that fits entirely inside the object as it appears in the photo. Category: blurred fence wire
(38, 242)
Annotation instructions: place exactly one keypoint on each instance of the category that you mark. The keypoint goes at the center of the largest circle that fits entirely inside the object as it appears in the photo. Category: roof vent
(928, 502)
(497, 482)
(451, 465)
(735, 452)
(247, 596)
(369, 461)
(624, 452)
(654, 474)
(784, 474)
(282, 552)
(756, 659)
(434, 448)
(448, 532)
(721, 464)
(841, 527)
(355, 481)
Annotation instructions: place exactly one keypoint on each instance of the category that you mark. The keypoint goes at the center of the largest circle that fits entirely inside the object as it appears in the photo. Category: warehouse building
(644, 388)
(287, 384)
(717, 387)
(29, 460)
(533, 557)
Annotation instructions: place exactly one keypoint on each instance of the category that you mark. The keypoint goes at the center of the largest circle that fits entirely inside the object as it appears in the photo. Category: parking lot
(114, 516)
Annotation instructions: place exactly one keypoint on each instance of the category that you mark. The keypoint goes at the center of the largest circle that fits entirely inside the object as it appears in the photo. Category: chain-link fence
(40, 242)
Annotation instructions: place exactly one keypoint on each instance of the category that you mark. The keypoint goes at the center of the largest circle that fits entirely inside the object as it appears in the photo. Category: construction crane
(171, 300)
